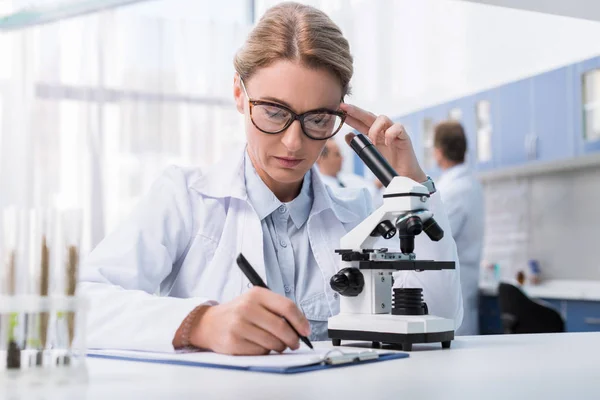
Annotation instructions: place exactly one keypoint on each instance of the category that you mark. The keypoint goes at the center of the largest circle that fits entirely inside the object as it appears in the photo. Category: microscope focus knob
(385, 229)
(348, 282)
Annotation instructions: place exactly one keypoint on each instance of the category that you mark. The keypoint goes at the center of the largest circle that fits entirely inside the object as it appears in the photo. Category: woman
(167, 277)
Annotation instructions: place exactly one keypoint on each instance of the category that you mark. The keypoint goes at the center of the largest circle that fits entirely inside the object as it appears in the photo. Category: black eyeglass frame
(298, 117)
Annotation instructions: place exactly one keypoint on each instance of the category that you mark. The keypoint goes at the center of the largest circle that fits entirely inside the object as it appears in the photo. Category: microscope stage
(389, 328)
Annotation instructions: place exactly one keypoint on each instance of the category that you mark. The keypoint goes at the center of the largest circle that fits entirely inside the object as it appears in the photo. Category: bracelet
(188, 322)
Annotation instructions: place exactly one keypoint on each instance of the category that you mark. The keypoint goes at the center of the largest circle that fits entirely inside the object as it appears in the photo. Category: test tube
(8, 345)
(42, 248)
(16, 274)
(70, 228)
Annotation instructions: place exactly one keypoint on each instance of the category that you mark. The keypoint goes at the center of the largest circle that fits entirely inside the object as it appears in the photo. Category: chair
(520, 314)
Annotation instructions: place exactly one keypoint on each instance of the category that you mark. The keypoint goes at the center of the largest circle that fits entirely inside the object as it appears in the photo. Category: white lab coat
(463, 200)
(356, 182)
(178, 248)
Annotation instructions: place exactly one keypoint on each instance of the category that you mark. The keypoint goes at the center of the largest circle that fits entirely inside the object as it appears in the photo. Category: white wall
(543, 218)
(412, 54)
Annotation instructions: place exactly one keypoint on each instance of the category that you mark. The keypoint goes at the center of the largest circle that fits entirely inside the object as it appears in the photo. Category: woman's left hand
(390, 138)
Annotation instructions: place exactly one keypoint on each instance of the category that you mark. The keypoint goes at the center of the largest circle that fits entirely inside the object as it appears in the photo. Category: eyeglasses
(273, 118)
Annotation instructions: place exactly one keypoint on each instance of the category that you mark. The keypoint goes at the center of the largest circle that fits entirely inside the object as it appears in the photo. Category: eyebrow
(283, 103)
(276, 100)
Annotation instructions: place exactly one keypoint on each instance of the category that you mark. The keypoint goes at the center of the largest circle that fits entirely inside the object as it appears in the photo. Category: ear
(437, 155)
(238, 94)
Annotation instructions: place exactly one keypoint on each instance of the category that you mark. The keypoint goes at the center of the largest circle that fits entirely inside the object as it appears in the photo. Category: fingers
(358, 114)
(277, 333)
(247, 348)
(378, 128)
(348, 138)
(285, 308)
(266, 340)
(396, 131)
(356, 124)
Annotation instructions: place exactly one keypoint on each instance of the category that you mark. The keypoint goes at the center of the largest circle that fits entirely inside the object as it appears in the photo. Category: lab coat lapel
(224, 180)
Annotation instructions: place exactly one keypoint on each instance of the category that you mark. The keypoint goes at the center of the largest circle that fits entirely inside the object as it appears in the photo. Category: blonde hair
(296, 32)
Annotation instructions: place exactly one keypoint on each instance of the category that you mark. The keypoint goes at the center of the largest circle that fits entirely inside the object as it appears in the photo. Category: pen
(256, 280)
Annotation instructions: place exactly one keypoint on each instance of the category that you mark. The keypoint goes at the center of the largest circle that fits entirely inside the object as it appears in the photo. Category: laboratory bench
(577, 301)
(543, 366)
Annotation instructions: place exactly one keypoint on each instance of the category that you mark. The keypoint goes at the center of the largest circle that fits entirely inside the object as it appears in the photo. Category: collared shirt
(290, 265)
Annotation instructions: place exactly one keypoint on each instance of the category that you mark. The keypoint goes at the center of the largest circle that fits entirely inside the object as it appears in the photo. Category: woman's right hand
(251, 324)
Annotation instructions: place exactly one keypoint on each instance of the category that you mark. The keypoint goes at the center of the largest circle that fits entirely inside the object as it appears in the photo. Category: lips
(288, 162)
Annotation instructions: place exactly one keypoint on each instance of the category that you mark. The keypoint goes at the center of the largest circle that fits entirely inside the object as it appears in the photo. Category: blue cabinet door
(489, 316)
(583, 146)
(514, 124)
(482, 119)
(583, 316)
(464, 108)
(553, 115)
(429, 118)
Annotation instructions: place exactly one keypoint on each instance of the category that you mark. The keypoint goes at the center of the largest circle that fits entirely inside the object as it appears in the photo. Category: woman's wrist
(416, 174)
(183, 336)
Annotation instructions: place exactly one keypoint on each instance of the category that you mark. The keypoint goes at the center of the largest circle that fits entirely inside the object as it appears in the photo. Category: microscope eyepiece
(373, 159)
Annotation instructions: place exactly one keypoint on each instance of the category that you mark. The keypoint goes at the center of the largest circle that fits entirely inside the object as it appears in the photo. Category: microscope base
(391, 329)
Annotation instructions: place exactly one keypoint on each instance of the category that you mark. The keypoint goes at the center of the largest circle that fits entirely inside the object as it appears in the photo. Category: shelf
(541, 168)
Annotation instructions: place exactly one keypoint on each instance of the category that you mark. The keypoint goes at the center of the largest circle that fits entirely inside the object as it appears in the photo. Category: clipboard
(333, 358)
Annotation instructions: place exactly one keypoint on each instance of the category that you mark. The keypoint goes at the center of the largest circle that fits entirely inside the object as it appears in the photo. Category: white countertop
(548, 366)
(554, 289)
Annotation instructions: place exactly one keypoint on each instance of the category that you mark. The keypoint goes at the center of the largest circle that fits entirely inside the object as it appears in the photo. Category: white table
(548, 366)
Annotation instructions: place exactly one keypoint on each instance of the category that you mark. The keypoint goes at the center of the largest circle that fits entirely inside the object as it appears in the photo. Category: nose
(292, 137)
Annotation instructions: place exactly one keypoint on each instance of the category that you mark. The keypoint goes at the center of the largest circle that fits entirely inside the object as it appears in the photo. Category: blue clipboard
(330, 362)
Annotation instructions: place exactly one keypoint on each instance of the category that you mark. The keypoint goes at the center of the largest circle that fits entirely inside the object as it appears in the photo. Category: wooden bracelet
(188, 322)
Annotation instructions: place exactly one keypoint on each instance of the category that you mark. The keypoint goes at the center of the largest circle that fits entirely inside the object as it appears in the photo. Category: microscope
(370, 310)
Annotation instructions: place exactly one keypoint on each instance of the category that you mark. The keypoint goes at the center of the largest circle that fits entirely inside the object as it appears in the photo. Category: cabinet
(489, 316)
(583, 316)
(553, 115)
(464, 111)
(429, 118)
(579, 315)
(541, 118)
(514, 122)
(583, 146)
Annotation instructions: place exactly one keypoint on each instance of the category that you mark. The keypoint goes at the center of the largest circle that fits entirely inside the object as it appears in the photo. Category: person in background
(463, 198)
(330, 167)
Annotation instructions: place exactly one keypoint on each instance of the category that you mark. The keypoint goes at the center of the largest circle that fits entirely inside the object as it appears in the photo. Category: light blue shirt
(290, 265)
(464, 202)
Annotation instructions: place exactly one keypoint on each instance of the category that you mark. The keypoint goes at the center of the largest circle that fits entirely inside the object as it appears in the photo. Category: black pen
(256, 280)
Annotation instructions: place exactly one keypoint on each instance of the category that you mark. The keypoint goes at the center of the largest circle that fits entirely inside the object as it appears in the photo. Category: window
(591, 105)
(455, 114)
(427, 140)
(484, 131)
